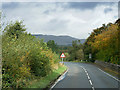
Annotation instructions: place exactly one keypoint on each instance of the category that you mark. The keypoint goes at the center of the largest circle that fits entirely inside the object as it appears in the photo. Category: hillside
(60, 40)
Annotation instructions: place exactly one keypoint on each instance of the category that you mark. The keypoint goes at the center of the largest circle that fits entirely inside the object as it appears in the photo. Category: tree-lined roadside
(29, 62)
(25, 58)
(103, 43)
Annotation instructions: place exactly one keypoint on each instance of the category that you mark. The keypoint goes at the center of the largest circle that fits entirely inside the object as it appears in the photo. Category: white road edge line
(109, 75)
(58, 80)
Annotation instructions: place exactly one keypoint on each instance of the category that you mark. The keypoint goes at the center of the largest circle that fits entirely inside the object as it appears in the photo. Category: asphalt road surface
(81, 75)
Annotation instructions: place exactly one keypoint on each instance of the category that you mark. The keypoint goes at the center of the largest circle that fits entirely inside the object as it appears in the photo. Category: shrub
(24, 57)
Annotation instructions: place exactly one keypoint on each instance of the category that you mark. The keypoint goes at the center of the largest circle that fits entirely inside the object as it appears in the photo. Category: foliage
(14, 29)
(51, 44)
(45, 81)
(24, 56)
(103, 43)
(76, 51)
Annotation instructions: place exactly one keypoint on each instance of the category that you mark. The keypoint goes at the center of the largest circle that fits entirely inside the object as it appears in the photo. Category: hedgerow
(24, 57)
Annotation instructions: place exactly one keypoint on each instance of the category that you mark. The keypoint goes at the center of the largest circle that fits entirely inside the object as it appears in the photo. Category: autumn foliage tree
(24, 57)
(104, 43)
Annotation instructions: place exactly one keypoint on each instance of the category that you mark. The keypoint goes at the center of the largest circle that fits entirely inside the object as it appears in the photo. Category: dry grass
(108, 70)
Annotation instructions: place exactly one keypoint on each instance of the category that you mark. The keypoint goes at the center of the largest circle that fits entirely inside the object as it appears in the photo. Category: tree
(103, 43)
(24, 58)
(14, 29)
(76, 51)
(51, 44)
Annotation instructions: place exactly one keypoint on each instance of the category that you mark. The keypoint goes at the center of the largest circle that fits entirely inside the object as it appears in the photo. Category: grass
(83, 61)
(108, 70)
(46, 81)
(114, 73)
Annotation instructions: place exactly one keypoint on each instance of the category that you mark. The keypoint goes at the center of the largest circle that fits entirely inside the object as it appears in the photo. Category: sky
(76, 19)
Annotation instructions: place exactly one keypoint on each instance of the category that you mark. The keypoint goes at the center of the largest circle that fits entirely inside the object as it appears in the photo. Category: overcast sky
(76, 19)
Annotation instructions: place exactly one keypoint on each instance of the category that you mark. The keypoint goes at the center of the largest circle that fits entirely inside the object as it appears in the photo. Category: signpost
(90, 55)
(62, 56)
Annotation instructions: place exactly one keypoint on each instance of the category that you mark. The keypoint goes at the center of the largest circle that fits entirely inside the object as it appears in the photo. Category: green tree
(24, 58)
(51, 44)
(76, 51)
(14, 29)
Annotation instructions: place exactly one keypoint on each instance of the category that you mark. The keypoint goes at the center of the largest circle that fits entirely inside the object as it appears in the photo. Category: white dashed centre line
(93, 88)
(90, 82)
(88, 78)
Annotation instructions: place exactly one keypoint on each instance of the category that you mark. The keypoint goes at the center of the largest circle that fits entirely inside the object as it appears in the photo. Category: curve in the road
(81, 75)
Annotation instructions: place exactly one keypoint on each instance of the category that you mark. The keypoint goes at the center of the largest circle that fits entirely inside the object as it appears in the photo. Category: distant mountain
(60, 40)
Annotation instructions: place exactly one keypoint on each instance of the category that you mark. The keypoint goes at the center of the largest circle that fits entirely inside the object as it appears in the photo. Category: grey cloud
(34, 13)
(83, 5)
(75, 5)
(48, 11)
(12, 5)
(56, 24)
(107, 10)
(87, 5)
(9, 5)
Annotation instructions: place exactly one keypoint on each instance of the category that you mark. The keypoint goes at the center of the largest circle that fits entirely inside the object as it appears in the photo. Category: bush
(104, 43)
(24, 58)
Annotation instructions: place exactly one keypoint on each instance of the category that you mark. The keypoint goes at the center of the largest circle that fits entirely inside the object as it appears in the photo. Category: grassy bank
(79, 61)
(108, 70)
(46, 81)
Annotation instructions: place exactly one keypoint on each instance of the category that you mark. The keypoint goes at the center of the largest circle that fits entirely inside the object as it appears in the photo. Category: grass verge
(45, 82)
(108, 70)
(83, 61)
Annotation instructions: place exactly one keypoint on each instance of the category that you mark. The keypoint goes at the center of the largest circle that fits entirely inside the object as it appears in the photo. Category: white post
(90, 55)
(62, 60)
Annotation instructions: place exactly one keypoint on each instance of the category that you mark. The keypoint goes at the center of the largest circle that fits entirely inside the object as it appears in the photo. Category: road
(81, 75)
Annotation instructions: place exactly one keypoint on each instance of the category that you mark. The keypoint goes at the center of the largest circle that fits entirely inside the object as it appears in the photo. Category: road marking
(58, 80)
(93, 88)
(88, 77)
(90, 82)
(87, 74)
(85, 71)
(109, 75)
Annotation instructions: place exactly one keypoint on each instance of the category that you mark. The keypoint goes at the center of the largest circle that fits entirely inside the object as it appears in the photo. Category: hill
(60, 40)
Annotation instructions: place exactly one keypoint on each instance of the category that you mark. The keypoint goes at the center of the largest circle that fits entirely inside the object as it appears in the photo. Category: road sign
(90, 55)
(62, 55)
